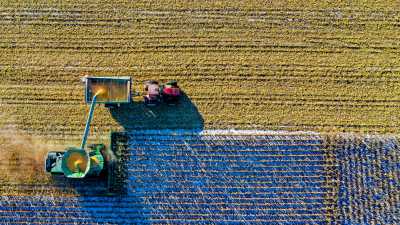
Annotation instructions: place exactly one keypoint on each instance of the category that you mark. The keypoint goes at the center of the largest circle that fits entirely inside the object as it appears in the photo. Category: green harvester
(79, 162)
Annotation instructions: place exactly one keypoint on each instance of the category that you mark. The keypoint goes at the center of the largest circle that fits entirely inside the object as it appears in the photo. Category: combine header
(79, 162)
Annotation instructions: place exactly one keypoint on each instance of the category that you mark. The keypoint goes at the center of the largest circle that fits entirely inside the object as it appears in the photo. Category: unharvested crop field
(253, 64)
(221, 176)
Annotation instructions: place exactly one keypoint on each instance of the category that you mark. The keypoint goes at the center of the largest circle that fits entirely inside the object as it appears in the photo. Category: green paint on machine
(77, 162)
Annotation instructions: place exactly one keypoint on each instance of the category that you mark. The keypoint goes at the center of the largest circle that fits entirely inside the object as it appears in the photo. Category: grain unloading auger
(79, 162)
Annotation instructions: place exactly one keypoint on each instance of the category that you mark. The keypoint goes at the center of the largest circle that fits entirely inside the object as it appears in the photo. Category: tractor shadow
(137, 115)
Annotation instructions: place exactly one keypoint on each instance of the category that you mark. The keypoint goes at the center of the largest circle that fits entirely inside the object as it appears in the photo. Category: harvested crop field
(245, 67)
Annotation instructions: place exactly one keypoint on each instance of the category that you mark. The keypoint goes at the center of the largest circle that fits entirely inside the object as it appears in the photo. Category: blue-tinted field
(178, 176)
(235, 177)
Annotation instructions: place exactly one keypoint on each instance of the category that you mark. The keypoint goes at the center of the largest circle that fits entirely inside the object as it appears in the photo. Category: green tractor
(79, 162)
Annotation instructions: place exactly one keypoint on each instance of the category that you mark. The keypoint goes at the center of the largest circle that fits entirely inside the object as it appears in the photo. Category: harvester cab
(79, 162)
(168, 93)
(152, 97)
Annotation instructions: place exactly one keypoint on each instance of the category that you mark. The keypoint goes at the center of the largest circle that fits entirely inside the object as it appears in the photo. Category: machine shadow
(132, 116)
(88, 186)
(137, 115)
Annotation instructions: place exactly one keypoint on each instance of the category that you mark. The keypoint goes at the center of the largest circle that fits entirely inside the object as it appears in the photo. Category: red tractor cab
(170, 93)
(152, 97)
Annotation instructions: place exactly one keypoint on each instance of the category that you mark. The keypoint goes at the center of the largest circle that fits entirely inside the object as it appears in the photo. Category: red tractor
(168, 93)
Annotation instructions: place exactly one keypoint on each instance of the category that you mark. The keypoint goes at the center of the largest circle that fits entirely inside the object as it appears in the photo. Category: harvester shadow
(136, 115)
(80, 187)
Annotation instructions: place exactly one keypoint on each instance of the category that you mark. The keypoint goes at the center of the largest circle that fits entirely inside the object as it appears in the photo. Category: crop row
(297, 6)
(361, 66)
(367, 176)
(257, 60)
(277, 36)
(194, 45)
(198, 16)
(310, 83)
(193, 16)
(316, 13)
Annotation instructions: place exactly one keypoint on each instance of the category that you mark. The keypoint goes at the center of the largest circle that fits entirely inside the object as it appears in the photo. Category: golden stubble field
(246, 65)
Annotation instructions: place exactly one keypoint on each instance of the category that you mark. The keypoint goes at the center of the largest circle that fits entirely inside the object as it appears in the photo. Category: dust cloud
(21, 157)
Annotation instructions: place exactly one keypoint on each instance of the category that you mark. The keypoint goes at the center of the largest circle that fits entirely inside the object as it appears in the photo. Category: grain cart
(79, 162)
(115, 90)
